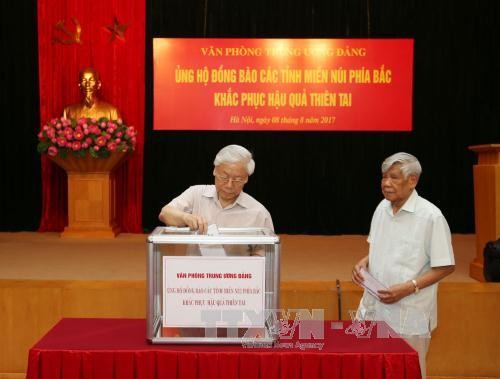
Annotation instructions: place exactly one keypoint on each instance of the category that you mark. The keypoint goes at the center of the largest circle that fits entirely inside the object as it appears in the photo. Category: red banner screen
(283, 84)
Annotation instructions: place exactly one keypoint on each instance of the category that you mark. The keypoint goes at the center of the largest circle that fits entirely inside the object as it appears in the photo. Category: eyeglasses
(225, 179)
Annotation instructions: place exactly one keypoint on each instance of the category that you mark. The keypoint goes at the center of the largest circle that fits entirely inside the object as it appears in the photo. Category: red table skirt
(116, 348)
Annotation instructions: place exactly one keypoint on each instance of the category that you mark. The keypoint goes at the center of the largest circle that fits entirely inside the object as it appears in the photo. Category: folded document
(371, 284)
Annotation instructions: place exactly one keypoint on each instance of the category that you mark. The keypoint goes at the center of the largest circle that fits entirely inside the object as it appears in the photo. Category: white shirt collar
(409, 205)
(210, 191)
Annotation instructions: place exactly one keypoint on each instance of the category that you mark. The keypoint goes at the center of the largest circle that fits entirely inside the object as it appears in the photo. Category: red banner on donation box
(283, 84)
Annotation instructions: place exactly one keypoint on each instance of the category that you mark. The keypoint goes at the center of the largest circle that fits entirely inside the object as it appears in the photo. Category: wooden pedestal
(486, 202)
(91, 195)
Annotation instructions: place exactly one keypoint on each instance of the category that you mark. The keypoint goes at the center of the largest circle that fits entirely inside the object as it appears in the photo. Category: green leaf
(43, 146)
(103, 153)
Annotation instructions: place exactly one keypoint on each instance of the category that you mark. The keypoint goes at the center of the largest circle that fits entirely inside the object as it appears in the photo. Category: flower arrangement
(97, 137)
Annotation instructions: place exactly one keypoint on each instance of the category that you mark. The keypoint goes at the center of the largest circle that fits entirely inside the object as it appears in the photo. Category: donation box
(221, 287)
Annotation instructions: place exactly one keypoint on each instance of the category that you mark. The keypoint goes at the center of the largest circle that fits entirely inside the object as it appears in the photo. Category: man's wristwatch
(415, 284)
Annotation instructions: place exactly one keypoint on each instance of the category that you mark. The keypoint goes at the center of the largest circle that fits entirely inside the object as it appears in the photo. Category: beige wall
(466, 343)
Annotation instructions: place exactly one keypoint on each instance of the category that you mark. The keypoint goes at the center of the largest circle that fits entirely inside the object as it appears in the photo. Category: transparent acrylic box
(212, 288)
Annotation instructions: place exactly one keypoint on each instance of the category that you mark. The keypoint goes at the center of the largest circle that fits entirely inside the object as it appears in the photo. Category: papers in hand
(212, 250)
(371, 284)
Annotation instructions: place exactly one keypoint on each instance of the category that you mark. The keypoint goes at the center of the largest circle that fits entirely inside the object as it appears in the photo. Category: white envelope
(371, 284)
(212, 250)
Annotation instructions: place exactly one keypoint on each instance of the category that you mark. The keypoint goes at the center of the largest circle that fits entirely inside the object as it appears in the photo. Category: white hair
(235, 154)
(409, 164)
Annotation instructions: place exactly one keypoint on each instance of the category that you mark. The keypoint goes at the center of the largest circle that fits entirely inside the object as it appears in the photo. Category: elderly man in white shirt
(223, 204)
(410, 252)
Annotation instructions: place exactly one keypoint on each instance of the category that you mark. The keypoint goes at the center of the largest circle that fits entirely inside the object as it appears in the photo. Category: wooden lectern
(91, 195)
(486, 202)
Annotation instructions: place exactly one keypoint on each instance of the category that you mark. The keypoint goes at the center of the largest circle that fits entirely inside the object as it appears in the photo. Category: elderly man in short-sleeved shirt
(223, 204)
(410, 252)
(203, 200)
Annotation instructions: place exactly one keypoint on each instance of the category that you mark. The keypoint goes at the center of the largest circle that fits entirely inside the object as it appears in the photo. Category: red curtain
(120, 64)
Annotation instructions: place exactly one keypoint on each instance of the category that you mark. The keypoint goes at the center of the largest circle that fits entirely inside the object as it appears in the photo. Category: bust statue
(90, 106)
